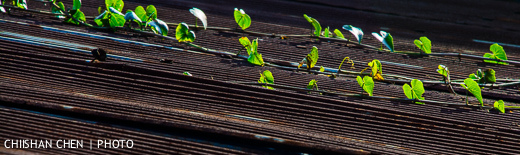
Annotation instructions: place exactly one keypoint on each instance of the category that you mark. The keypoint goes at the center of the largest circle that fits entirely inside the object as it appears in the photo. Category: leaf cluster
(252, 50)
(498, 53)
(311, 59)
(488, 76)
(415, 91)
(266, 77)
(367, 83)
(377, 69)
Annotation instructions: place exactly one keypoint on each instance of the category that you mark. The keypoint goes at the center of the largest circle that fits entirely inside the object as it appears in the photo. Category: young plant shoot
(424, 44)
(315, 24)
(243, 20)
(377, 69)
(367, 83)
(326, 32)
(488, 76)
(386, 39)
(443, 70)
(187, 73)
(357, 32)
(414, 92)
(474, 89)
(311, 59)
(499, 105)
(338, 34)
(57, 10)
(266, 77)
(112, 17)
(160, 27)
(498, 53)
(200, 15)
(183, 33)
(131, 16)
(252, 50)
(312, 84)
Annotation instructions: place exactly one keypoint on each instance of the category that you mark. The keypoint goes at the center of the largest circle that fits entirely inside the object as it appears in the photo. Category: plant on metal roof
(183, 33)
(252, 51)
(312, 84)
(415, 91)
(377, 69)
(385, 39)
(243, 20)
(488, 76)
(498, 53)
(57, 10)
(367, 83)
(424, 44)
(357, 32)
(199, 14)
(338, 34)
(160, 27)
(499, 105)
(349, 61)
(326, 32)
(311, 59)
(315, 24)
(472, 87)
(266, 77)
(131, 16)
(187, 73)
(112, 16)
(76, 13)
(443, 70)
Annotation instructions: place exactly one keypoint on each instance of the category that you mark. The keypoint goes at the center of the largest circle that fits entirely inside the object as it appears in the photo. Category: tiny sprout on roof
(357, 32)
(415, 91)
(473, 87)
(243, 20)
(386, 39)
(199, 14)
(488, 76)
(252, 47)
(499, 105)
(183, 33)
(498, 53)
(315, 24)
(367, 83)
(424, 44)
(311, 59)
(266, 77)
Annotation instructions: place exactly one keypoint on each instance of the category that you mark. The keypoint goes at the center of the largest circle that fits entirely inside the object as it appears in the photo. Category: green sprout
(488, 76)
(266, 77)
(131, 16)
(112, 17)
(357, 32)
(499, 105)
(252, 47)
(322, 69)
(160, 27)
(187, 73)
(326, 32)
(367, 83)
(312, 84)
(424, 44)
(414, 92)
(243, 20)
(386, 39)
(338, 34)
(183, 33)
(200, 14)
(349, 61)
(377, 69)
(57, 10)
(498, 53)
(76, 13)
(315, 24)
(311, 59)
(474, 89)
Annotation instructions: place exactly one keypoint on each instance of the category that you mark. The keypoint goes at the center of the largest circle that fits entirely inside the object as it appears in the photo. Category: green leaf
(443, 70)
(243, 20)
(187, 73)
(322, 69)
(357, 32)
(376, 67)
(473, 88)
(386, 39)
(499, 105)
(339, 34)
(116, 4)
(151, 13)
(368, 85)
(21, 4)
(489, 76)
(311, 84)
(424, 44)
(315, 24)
(326, 32)
(255, 58)
(183, 34)
(498, 53)
(141, 13)
(131, 16)
(57, 10)
(360, 81)
(76, 5)
(78, 15)
(246, 43)
(415, 91)
(311, 59)
(116, 20)
(266, 77)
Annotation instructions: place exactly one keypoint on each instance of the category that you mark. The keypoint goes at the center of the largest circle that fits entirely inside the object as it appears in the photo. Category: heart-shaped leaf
(246, 43)
(117, 20)
(131, 16)
(76, 5)
(473, 88)
(415, 91)
(315, 24)
(115, 11)
(311, 59)
(443, 70)
(255, 57)
(367, 83)
(499, 105)
(386, 39)
(266, 77)
(424, 44)
(377, 69)
(243, 20)
(339, 34)
(200, 14)
(312, 84)
(357, 32)
(141, 13)
(489, 76)
(183, 34)
(151, 13)
(78, 15)
(116, 4)
(498, 53)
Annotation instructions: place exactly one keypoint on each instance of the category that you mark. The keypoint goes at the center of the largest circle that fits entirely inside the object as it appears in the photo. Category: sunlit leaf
(326, 32)
(76, 5)
(357, 32)
(489, 76)
(57, 10)
(473, 88)
(339, 34)
(131, 16)
(498, 53)
(22, 4)
(243, 20)
(255, 57)
(151, 13)
(311, 84)
(200, 14)
(415, 91)
(499, 105)
(160, 27)
(424, 44)
(322, 69)
(386, 39)
(117, 20)
(377, 69)
(116, 4)
(315, 24)
(246, 43)
(366, 83)
(78, 15)
(141, 13)
(311, 59)
(266, 77)
(443, 70)
(182, 33)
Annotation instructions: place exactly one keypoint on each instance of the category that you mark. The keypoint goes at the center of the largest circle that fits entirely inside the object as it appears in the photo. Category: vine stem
(273, 62)
(373, 97)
